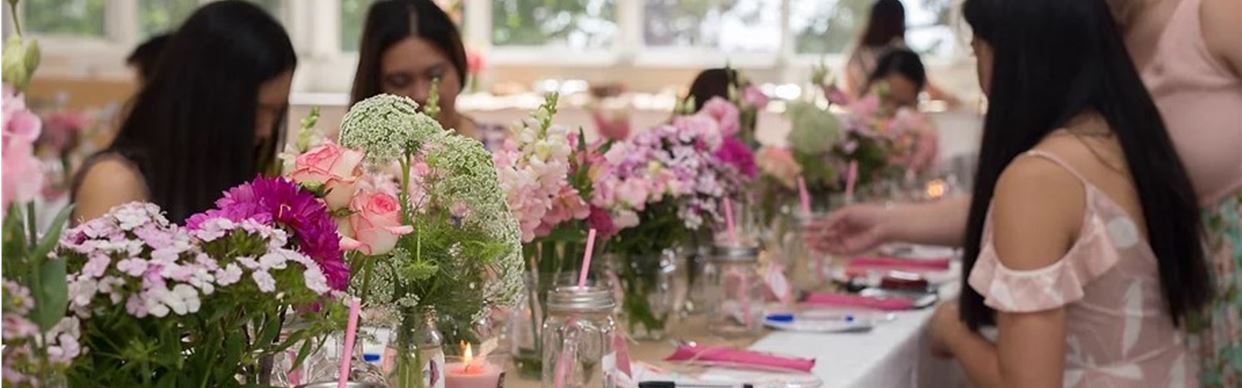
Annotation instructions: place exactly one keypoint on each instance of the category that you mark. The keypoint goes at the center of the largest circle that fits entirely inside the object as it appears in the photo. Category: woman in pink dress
(1190, 56)
(1082, 239)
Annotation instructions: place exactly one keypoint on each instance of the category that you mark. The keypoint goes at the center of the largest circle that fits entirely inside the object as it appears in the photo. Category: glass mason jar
(738, 312)
(416, 351)
(654, 288)
(578, 336)
(810, 270)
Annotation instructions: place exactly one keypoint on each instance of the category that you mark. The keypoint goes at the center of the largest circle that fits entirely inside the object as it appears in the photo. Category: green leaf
(49, 240)
(52, 297)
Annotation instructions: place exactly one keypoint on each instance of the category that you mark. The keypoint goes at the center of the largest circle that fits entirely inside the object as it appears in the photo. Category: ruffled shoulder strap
(1055, 285)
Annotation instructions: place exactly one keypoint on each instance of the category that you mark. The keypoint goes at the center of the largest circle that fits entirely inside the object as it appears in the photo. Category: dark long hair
(898, 61)
(191, 130)
(886, 23)
(391, 21)
(712, 83)
(1054, 59)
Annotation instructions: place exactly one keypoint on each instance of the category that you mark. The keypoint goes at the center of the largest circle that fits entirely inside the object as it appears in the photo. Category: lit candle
(472, 372)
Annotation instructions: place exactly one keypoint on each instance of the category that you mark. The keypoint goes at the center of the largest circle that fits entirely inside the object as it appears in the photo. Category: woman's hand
(850, 230)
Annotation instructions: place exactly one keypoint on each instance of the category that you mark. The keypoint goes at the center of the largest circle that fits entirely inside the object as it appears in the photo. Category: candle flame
(467, 356)
(936, 189)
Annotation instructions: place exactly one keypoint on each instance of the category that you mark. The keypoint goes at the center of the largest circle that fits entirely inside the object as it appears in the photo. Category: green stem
(404, 190)
(17, 22)
(368, 264)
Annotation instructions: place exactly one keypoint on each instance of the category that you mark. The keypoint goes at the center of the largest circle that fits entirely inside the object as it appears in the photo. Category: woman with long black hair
(1083, 244)
(408, 44)
(209, 118)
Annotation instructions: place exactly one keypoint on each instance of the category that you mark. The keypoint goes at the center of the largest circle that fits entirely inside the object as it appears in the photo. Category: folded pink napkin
(726, 356)
(849, 300)
(899, 263)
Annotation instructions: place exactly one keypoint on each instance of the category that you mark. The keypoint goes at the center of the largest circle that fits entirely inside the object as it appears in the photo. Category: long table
(893, 355)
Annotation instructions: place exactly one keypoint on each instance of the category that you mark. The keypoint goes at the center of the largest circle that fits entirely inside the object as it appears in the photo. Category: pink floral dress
(1119, 333)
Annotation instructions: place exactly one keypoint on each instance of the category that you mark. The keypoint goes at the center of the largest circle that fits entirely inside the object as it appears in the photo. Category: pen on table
(848, 318)
(671, 384)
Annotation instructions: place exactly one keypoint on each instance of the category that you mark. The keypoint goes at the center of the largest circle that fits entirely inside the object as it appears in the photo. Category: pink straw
(351, 330)
(728, 208)
(586, 258)
(850, 178)
(805, 196)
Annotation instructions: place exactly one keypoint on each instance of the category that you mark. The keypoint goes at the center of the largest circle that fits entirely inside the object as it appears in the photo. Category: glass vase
(554, 263)
(417, 352)
(654, 287)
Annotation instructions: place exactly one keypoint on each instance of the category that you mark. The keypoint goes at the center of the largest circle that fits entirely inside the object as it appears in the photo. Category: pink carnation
(724, 113)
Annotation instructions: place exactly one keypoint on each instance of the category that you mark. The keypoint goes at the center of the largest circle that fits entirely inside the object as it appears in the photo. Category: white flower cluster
(386, 127)
(133, 255)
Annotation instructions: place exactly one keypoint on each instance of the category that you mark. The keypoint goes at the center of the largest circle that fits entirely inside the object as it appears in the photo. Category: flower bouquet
(438, 247)
(165, 305)
(660, 187)
(543, 169)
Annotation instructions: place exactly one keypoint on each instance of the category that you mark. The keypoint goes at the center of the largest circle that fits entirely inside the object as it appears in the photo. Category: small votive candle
(474, 372)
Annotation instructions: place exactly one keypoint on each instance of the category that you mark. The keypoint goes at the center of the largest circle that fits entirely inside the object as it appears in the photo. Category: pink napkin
(848, 300)
(899, 263)
(726, 356)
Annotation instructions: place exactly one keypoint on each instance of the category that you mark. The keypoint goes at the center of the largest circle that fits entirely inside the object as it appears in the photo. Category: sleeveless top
(1201, 102)
(1118, 331)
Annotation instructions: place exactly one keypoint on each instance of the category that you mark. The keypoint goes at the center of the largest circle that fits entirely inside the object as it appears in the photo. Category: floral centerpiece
(543, 169)
(438, 246)
(160, 304)
(660, 187)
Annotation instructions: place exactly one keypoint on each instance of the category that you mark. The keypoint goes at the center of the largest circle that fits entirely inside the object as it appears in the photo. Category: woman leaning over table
(209, 118)
(1082, 241)
(1190, 55)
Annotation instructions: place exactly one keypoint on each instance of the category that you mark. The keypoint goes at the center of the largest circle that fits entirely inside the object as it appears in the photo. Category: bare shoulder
(1222, 30)
(107, 183)
(1038, 209)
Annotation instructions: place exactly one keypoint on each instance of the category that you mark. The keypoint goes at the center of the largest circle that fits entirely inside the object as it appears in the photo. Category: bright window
(730, 26)
(64, 17)
(569, 23)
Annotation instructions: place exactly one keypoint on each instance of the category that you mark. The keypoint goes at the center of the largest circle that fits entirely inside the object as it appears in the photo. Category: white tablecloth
(893, 355)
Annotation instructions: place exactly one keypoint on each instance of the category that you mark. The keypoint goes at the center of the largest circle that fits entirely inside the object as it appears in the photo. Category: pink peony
(724, 113)
(334, 167)
(375, 224)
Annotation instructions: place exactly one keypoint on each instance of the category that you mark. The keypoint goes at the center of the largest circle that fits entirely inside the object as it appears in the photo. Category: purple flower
(737, 154)
(283, 203)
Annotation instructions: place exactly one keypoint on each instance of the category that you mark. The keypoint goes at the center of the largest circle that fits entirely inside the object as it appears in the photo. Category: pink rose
(754, 97)
(334, 167)
(375, 224)
(724, 113)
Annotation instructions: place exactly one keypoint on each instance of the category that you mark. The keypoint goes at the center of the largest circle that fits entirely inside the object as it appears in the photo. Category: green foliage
(65, 17)
(540, 22)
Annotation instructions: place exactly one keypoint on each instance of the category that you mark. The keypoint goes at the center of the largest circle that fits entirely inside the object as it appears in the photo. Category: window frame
(314, 27)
